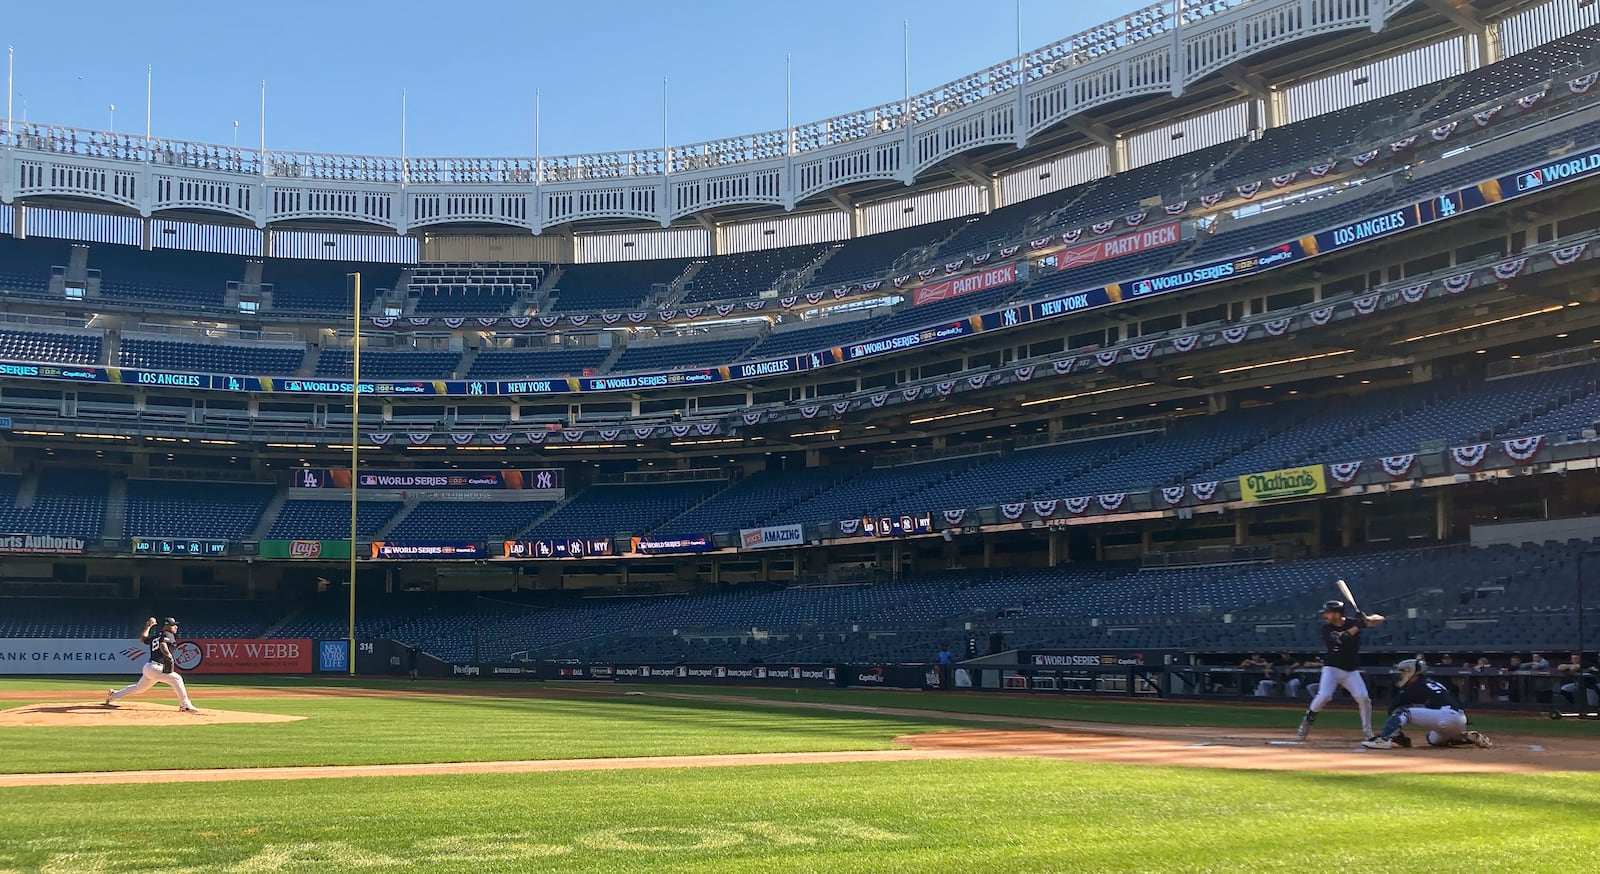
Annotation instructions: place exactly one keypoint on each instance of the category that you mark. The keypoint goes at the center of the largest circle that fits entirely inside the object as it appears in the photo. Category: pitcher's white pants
(1443, 724)
(1332, 679)
(150, 676)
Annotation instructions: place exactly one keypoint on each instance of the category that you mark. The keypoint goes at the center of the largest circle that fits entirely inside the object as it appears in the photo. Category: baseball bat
(1344, 589)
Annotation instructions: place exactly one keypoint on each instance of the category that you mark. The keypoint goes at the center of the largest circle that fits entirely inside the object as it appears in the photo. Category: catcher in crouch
(1427, 704)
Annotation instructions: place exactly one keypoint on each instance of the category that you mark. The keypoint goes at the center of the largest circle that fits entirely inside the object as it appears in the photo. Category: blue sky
(335, 69)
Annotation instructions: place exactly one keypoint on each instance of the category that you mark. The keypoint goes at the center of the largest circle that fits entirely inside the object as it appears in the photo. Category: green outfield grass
(446, 728)
(1003, 815)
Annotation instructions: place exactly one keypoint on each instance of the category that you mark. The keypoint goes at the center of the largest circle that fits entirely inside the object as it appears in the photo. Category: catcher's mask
(1410, 669)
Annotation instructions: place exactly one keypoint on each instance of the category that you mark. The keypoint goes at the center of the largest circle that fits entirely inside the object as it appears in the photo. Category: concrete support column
(1442, 514)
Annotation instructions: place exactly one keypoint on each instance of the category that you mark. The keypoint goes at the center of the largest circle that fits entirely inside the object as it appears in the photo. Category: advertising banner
(891, 676)
(896, 526)
(40, 544)
(912, 339)
(717, 674)
(177, 546)
(1294, 482)
(650, 380)
(653, 546)
(333, 656)
(50, 655)
(770, 537)
(455, 480)
(243, 656)
(570, 547)
(428, 549)
(957, 286)
(1156, 237)
(1069, 659)
(305, 549)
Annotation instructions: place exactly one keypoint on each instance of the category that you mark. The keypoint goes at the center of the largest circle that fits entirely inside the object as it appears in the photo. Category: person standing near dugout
(1341, 665)
(161, 668)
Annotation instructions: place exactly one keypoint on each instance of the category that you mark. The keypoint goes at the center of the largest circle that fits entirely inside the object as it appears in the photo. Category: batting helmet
(1334, 606)
(1410, 669)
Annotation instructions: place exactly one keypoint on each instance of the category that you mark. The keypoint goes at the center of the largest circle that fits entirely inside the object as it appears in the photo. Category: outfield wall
(87, 656)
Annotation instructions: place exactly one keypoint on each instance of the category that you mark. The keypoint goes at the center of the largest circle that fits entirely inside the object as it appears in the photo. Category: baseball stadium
(1172, 448)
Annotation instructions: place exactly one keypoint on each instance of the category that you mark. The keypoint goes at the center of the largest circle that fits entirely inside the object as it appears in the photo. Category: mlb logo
(720, 673)
(1530, 180)
(1142, 287)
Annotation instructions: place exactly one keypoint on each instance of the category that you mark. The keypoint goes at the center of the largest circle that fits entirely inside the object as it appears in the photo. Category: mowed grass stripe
(454, 728)
(994, 815)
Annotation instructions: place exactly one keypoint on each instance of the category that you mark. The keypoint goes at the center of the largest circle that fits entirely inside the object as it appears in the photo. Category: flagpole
(355, 441)
(403, 173)
(263, 127)
(788, 100)
(149, 81)
(666, 157)
(1019, 28)
(11, 91)
(538, 163)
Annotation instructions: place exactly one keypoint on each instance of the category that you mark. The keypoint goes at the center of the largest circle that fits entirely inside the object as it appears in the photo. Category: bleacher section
(872, 257)
(330, 520)
(165, 276)
(456, 520)
(323, 286)
(67, 504)
(388, 364)
(210, 357)
(49, 346)
(620, 285)
(680, 352)
(747, 274)
(168, 508)
(872, 490)
(756, 498)
(472, 289)
(25, 264)
(537, 362)
(623, 509)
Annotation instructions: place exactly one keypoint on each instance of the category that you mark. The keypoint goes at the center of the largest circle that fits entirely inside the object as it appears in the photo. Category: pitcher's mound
(126, 713)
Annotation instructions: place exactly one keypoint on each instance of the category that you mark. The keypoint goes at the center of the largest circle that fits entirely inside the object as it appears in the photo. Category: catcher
(161, 668)
(1427, 704)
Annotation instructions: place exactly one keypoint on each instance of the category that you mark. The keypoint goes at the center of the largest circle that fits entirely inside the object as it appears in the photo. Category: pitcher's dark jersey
(160, 655)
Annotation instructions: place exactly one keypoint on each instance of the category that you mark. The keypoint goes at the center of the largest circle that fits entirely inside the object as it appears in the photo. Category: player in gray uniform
(161, 667)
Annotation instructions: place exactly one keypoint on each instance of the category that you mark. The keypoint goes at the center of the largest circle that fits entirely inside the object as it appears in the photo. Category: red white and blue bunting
(1569, 254)
(1112, 502)
(1344, 472)
(1471, 456)
(1509, 269)
(1204, 491)
(1398, 466)
(1521, 449)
